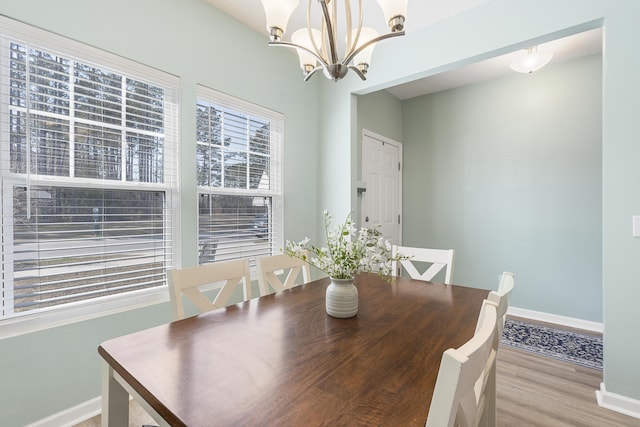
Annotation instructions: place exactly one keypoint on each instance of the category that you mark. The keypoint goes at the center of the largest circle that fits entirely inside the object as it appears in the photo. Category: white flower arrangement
(348, 251)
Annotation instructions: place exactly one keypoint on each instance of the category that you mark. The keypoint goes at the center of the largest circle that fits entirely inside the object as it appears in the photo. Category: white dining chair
(281, 272)
(435, 259)
(465, 395)
(191, 282)
(501, 298)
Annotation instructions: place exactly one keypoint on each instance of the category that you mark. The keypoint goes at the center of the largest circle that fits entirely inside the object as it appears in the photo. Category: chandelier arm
(358, 72)
(354, 42)
(297, 46)
(369, 43)
(334, 17)
(319, 52)
(311, 73)
(332, 41)
(347, 28)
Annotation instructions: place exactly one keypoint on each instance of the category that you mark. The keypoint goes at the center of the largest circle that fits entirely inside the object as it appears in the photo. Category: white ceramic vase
(342, 298)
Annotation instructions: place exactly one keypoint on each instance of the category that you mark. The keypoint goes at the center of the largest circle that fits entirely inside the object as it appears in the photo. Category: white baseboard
(616, 402)
(571, 322)
(71, 416)
(82, 412)
(612, 401)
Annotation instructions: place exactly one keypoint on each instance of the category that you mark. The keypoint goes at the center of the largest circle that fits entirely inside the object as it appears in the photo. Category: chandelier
(319, 48)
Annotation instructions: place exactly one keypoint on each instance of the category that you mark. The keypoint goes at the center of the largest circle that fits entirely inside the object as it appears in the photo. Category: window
(239, 178)
(88, 163)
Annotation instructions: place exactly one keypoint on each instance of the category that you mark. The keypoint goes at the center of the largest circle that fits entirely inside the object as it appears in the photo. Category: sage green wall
(379, 112)
(501, 26)
(496, 27)
(45, 372)
(508, 173)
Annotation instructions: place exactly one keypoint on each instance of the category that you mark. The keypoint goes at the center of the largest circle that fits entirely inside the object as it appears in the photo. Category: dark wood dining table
(280, 360)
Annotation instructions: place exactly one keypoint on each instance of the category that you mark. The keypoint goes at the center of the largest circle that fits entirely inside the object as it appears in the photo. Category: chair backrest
(189, 281)
(438, 258)
(501, 298)
(281, 272)
(465, 394)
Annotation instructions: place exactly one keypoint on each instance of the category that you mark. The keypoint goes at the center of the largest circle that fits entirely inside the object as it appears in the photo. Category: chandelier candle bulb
(394, 12)
(278, 13)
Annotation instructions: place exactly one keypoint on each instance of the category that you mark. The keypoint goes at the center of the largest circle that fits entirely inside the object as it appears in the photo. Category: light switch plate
(636, 226)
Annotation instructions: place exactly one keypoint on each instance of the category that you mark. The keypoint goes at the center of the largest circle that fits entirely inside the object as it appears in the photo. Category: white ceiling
(572, 47)
(421, 13)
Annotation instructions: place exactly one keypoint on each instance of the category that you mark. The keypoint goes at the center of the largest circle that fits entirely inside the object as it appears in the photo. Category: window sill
(85, 310)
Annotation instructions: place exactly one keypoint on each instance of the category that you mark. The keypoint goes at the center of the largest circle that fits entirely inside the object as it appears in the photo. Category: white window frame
(275, 192)
(101, 306)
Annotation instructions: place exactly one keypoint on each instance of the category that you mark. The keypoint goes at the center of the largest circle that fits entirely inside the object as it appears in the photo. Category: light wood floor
(137, 418)
(537, 391)
(533, 391)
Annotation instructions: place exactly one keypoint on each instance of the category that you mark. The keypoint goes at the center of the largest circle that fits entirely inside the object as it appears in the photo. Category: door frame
(366, 133)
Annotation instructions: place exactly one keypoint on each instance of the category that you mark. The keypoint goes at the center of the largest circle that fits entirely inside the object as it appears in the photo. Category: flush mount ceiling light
(318, 48)
(530, 60)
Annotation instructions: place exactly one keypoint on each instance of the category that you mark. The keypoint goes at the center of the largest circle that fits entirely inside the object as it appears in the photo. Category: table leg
(115, 400)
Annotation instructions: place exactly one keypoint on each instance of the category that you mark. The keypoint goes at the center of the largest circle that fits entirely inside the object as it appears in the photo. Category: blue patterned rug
(581, 349)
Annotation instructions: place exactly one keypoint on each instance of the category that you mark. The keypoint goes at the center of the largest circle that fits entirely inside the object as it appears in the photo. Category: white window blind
(88, 160)
(239, 172)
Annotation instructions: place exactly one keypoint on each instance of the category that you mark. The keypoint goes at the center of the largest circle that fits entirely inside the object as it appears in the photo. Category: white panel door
(381, 171)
